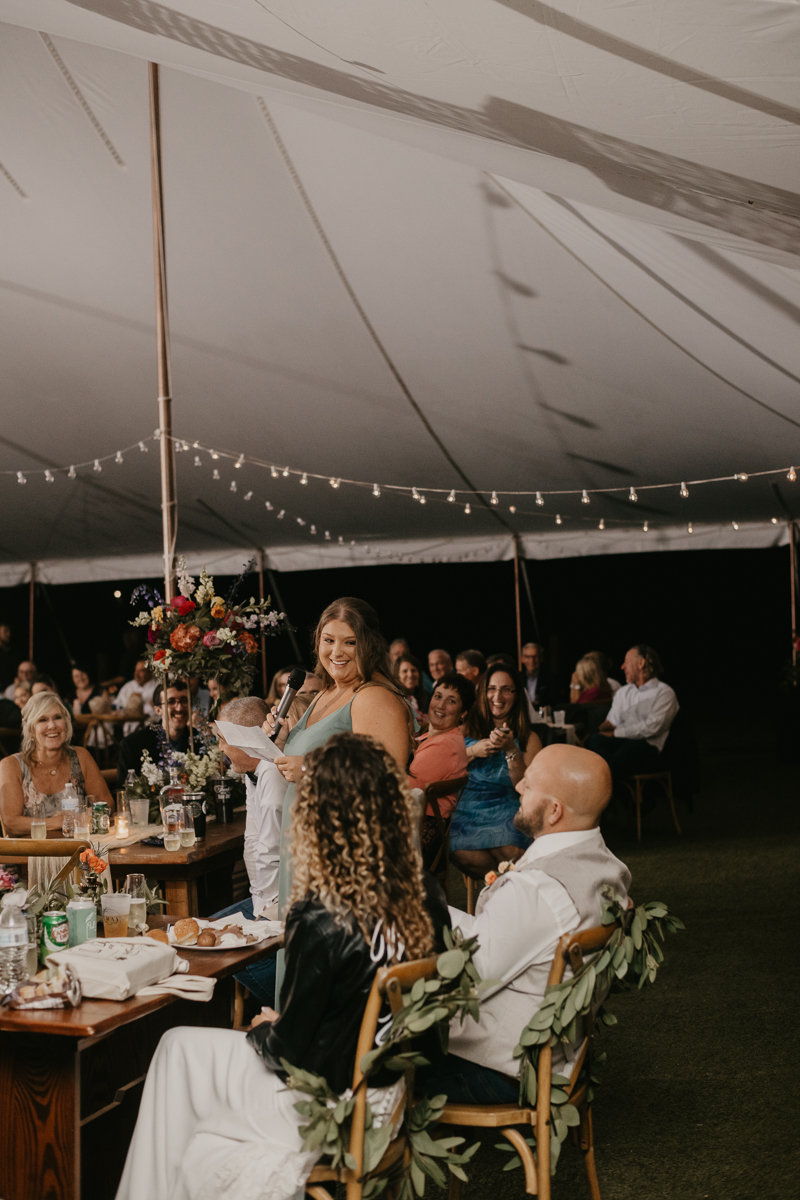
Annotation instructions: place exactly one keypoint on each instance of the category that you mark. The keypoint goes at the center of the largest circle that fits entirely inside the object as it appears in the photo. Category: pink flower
(183, 605)
(211, 640)
(152, 634)
(489, 878)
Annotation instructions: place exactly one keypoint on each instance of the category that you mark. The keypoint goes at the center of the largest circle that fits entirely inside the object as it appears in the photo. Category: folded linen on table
(116, 968)
(188, 987)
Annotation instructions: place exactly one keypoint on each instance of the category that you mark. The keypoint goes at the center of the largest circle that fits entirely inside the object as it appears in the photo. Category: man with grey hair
(266, 788)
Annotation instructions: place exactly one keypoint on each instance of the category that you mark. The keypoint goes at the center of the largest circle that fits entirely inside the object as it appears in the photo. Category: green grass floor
(699, 1096)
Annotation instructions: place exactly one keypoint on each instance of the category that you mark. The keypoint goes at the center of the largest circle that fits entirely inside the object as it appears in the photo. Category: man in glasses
(132, 747)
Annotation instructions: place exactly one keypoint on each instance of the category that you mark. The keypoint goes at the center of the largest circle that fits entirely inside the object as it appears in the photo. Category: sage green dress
(300, 741)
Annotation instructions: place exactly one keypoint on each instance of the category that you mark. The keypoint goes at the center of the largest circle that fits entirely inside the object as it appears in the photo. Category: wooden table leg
(39, 1132)
(181, 897)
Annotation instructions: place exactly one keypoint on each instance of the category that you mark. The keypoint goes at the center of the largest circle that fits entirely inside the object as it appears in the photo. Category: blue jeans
(259, 977)
(465, 1082)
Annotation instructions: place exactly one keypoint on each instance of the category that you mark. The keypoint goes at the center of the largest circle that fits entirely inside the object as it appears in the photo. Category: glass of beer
(83, 822)
(173, 824)
(38, 822)
(116, 908)
(137, 918)
(188, 838)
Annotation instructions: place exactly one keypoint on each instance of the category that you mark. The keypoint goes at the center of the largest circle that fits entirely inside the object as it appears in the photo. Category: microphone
(293, 685)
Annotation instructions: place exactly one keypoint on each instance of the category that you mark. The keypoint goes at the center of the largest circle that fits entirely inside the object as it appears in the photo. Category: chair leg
(638, 800)
(528, 1160)
(455, 1189)
(469, 884)
(239, 995)
(587, 1147)
(668, 787)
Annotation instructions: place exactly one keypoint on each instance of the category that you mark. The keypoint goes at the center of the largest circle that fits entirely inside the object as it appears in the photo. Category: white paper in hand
(250, 738)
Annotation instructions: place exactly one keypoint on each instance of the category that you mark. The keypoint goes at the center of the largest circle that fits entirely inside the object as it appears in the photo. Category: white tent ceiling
(575, 231)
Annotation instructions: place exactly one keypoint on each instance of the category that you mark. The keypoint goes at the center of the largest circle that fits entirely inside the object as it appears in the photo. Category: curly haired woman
(216, 1119)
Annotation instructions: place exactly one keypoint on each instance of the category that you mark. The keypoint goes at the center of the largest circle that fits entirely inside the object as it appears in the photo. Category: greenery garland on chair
(633, 953)
(430, 1003)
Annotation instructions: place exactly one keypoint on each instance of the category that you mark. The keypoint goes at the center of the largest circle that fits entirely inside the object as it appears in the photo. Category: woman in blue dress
(500, 746)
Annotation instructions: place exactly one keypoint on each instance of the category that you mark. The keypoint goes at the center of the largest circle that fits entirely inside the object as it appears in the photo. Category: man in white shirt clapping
(636, 729)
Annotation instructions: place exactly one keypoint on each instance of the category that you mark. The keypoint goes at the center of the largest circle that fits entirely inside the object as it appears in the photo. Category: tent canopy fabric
(572, 233)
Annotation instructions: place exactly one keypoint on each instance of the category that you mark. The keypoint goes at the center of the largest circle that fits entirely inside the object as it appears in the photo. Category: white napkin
(188, 987)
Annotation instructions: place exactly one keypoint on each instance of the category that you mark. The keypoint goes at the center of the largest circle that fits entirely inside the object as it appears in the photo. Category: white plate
(231, 945)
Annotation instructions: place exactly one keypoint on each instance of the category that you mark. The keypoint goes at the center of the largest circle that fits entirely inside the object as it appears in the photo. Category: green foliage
(431, 1003)
(631, 958)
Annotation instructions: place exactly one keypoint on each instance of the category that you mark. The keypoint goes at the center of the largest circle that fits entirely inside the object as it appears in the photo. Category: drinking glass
(67, 824)
(140, 810)
(38, 822)
(83, 822)
(558, 719)
(116, 908)
(173, 824)
(134, 887)
(188, 837)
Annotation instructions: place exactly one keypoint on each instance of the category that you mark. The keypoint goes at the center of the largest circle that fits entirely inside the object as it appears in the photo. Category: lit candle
(122, 826)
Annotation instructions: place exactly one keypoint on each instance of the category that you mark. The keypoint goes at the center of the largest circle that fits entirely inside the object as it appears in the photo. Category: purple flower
(211, 640)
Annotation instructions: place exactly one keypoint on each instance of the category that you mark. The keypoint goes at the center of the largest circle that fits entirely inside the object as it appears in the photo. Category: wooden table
(71, 1080)
(179, 870)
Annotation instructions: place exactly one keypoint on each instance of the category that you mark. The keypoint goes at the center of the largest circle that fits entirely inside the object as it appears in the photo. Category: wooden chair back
(16, 848)
(433, 793)
(389, 983)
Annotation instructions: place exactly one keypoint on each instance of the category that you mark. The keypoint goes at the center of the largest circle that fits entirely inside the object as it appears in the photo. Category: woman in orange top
(440, 752)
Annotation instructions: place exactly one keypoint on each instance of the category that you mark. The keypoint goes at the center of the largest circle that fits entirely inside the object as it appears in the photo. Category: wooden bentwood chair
(433, 792)
(389, 982)
(635, 786)
(505, 1117)
(19, 850)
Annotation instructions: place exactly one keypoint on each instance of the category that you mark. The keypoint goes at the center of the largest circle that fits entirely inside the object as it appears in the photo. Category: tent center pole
(516, 599)
(260, 553)
(169, 499)
(31, 594)
(793, 587)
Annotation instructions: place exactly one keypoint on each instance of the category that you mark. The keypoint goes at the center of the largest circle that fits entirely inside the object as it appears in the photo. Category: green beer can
(55, 933)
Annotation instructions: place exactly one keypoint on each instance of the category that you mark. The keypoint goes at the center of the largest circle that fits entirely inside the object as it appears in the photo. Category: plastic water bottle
(13, 947)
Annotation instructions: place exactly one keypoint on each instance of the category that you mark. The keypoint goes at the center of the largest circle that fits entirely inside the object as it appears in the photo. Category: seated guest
(554, 889)
(26, 673)
(589, 684)
(397, 649)
(537, 686)
(606, 665)
(471, 664)
(43, 684)
(278, 686)
(215, 1116)
(143, 684)
(439, 664)
(500, 746)
(312, 685)
(266, 788)
(441, 753)
(10, 714)
(507, 659)
(22, 694)
(409, 676)
(82, 691)
(636, 730)
(133, 746)
(43, 768)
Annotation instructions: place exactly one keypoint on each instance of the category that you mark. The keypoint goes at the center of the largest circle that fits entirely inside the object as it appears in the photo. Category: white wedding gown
(215, 1123)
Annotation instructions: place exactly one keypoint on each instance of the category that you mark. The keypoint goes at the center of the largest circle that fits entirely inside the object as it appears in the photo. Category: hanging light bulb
(97, 466)
(512, 508)
(742, 477)
(118, 457)
(423, 499)
(792, 475)
(313, 529)
(21, 478)
(198, 462)
(300, 520)
(467, 509)
(646, 526)
(584, 497)
(71, 473)
(178, 445)
(273, 472)
(689, 528)
(304, 479)
(774, 520)
(214, 454)
(735, 526)
(248, 495)
(285, 472)
(215, 474)
(281, 514)
(414, 494)
(354, 542)
(452, 496)
(632, 495)
(233, 485)
(143, 448)
(239, 461)
(49, 477)
(558, 519)
(328, 536)
(376, 491)
(196, 445)
(602, 524)
(335, 483)
(539, 499)
(684, 491)
(157, 435)
(494, 499)
(267, 506)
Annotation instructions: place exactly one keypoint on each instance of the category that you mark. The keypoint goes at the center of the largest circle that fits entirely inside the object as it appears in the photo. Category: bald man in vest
(553, 889)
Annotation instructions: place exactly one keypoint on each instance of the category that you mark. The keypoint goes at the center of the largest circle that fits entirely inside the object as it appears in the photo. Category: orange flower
(185, 637)
(490, 877)
(86, 855)
(249, 642)
(218, 611)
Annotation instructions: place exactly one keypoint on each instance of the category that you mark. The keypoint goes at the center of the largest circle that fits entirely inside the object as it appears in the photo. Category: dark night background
(720, 619)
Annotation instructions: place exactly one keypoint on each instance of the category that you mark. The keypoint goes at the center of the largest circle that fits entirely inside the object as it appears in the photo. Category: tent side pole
(260, 553)
(793, 586)
(31, 593)
(169, 500)
(516, 599)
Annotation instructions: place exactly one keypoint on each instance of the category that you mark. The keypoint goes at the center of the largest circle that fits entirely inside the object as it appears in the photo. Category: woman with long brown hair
(500, 746)
(215, 1116)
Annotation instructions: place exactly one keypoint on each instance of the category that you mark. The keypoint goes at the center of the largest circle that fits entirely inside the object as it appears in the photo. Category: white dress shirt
(262, 834)
(644, 713)
(518, 923)
(132, 688)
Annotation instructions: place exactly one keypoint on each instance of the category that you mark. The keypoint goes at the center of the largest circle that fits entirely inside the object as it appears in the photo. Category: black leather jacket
(328, 976)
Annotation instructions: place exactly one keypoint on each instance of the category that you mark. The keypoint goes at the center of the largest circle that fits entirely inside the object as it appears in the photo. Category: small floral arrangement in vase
(92, 885)
(200, 633)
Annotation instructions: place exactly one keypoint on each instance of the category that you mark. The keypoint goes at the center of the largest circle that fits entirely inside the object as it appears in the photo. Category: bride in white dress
(216, 1120)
